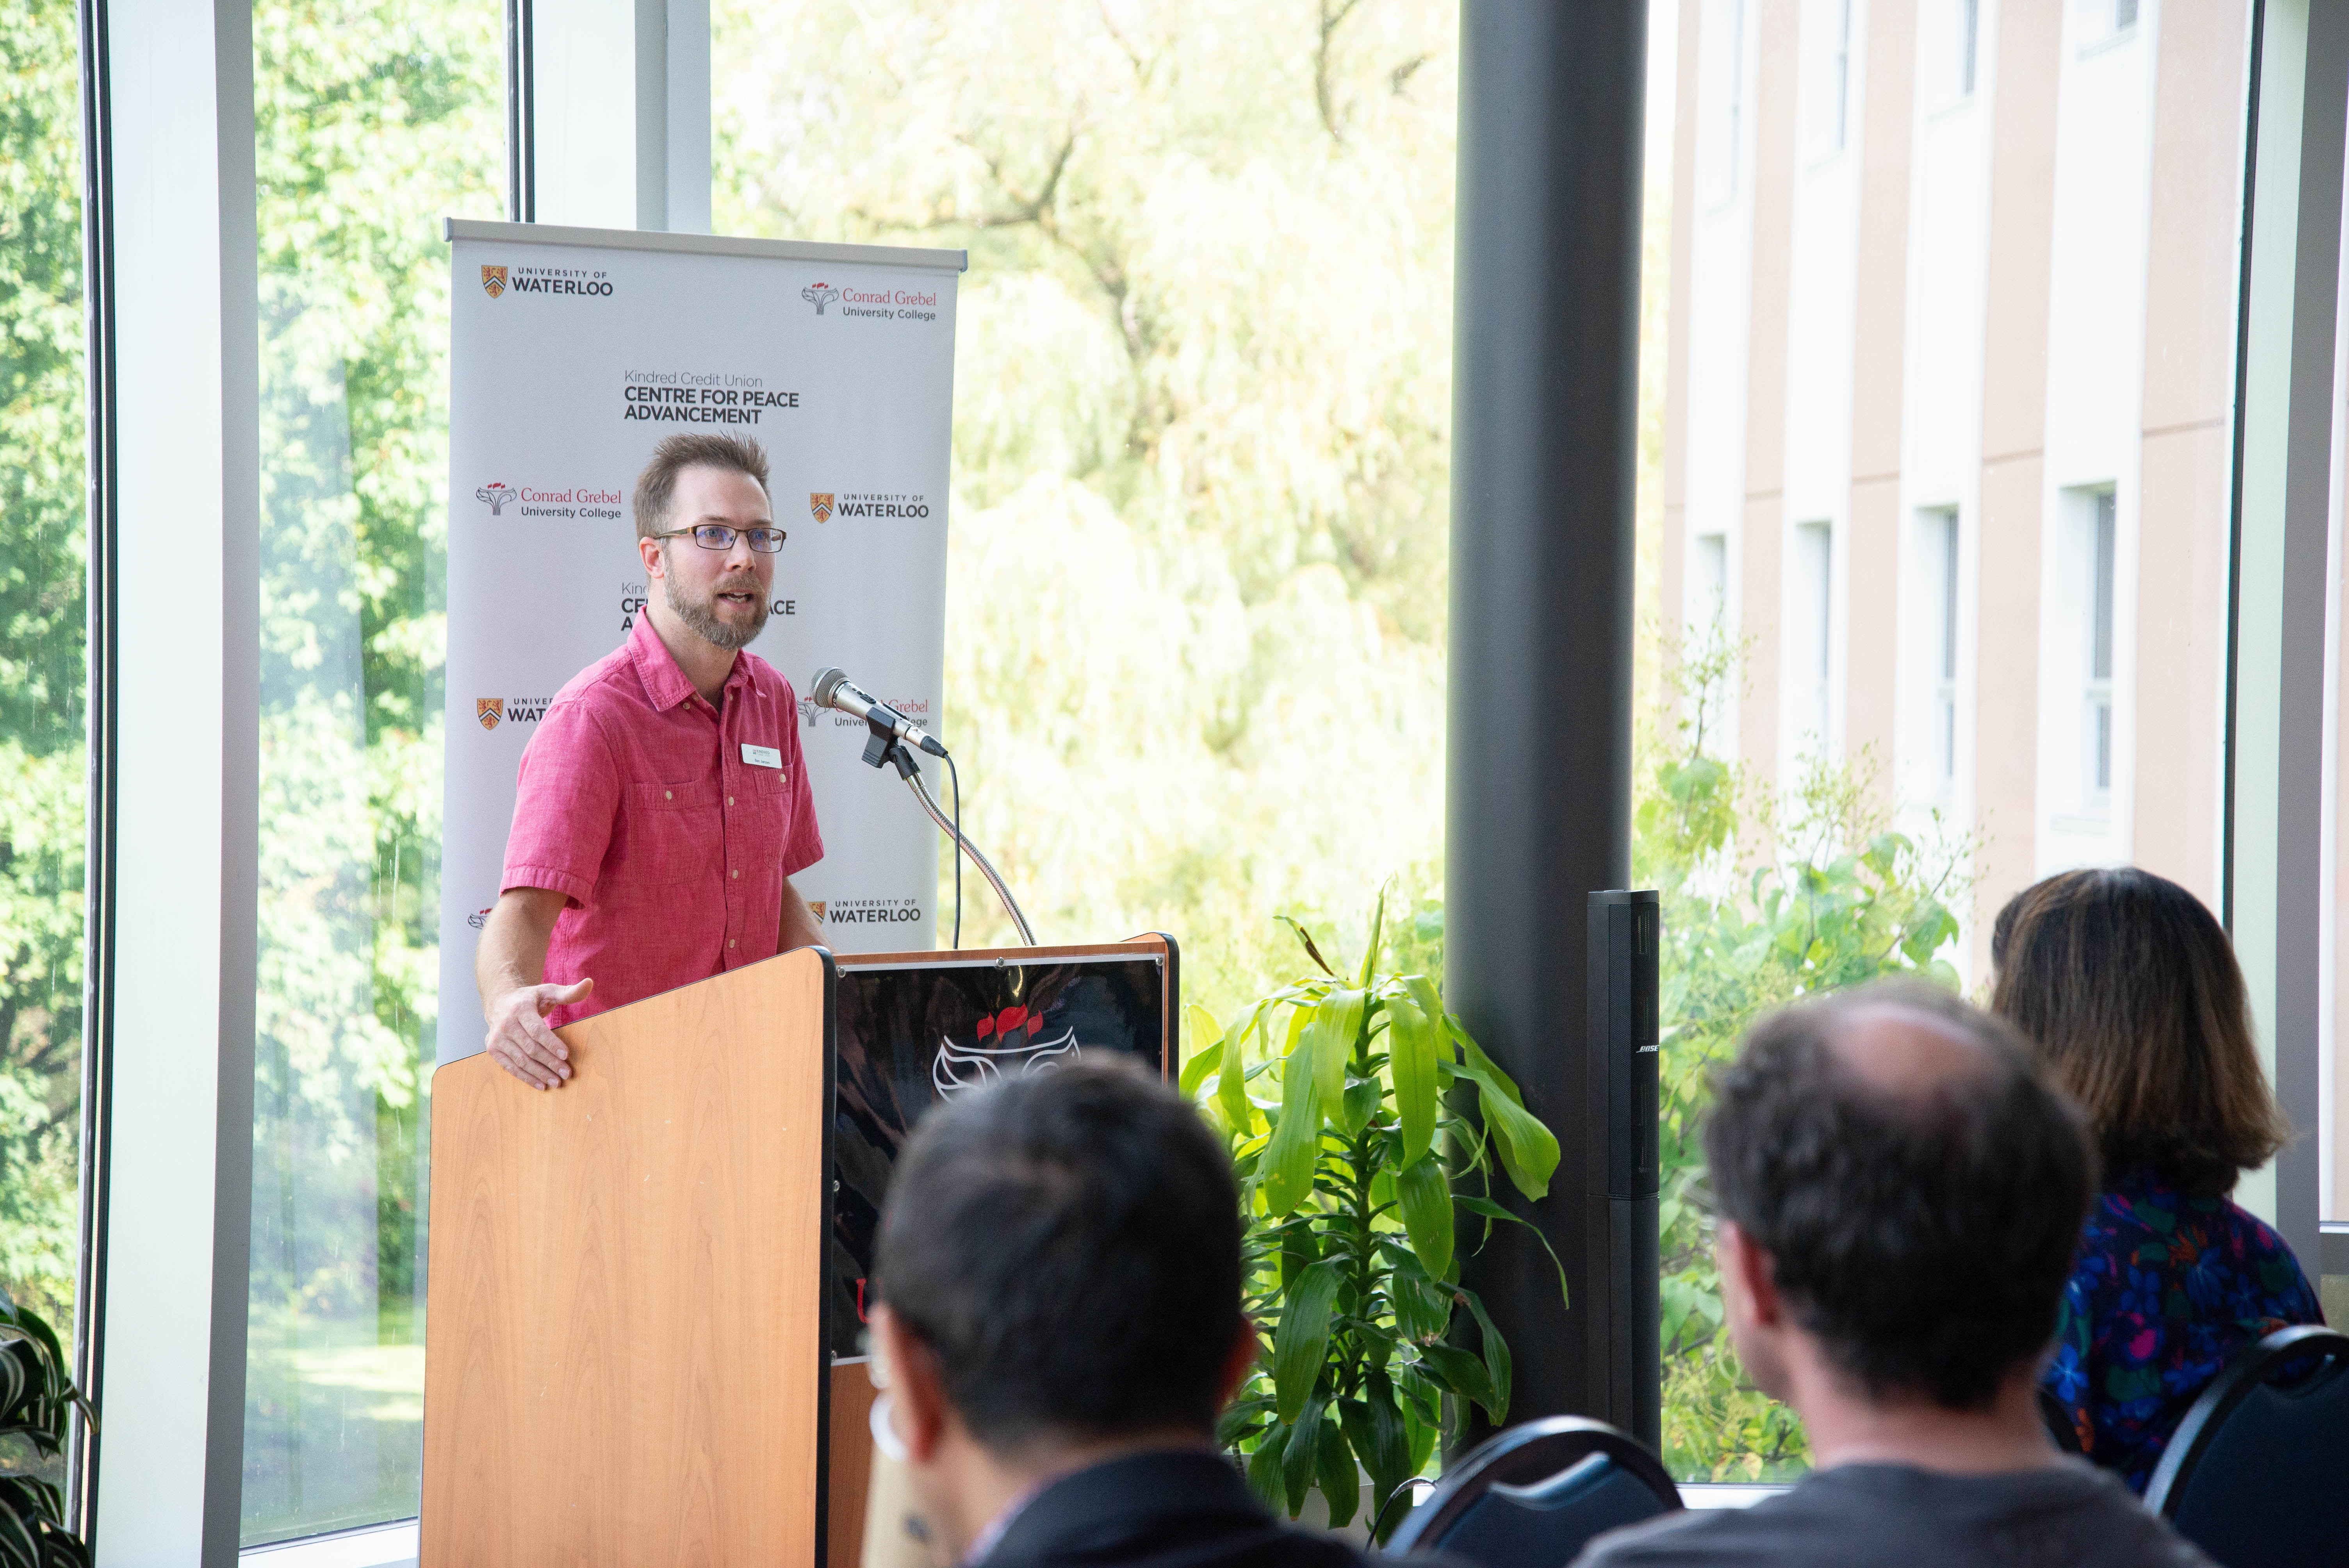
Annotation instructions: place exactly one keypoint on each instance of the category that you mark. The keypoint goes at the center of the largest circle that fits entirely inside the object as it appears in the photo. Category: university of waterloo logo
(497, 494)
(489, 710)
(819, 295)
(819, 505)
(494, 281)
(1008, 1044)
(815, 908)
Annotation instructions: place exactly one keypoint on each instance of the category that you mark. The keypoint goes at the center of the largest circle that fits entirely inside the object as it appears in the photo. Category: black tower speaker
(1622, 1167)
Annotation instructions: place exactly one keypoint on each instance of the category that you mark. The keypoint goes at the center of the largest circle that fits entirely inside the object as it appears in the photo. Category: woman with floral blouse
(2130, 992)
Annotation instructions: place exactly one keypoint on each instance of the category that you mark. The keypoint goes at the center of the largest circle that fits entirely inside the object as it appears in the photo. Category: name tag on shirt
(762, 755)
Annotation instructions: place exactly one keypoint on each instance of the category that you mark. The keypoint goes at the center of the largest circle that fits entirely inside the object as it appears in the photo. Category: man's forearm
(512, 953)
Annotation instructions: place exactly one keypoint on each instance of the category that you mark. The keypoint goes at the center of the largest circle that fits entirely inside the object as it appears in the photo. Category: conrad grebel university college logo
(819, 295)
(497, 493)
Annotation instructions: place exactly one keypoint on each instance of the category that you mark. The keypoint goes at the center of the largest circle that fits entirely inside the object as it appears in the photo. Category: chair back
(1533, 1496)
(2254, 1473)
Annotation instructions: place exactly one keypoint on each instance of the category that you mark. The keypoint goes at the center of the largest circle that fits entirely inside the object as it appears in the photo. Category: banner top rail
(454, 228)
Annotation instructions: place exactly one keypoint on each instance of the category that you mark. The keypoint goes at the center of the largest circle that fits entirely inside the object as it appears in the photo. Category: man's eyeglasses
(718, 536)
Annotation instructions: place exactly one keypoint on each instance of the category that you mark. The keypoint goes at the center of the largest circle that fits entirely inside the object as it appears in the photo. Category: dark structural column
(1545, 405)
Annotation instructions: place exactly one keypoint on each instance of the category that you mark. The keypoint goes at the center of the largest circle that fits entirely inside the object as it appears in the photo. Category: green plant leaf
(1491, 1211)
(1231, 1084)
(1264, 1469)
(1459, 1372)
(1422, 1307)
(1410, 1056)
(1287, 1169)
(1497, 1366)
(1333, 1466)
(1422, 1441)
(1377, 929)
(1528, 1150)
(1298, 1467)
(1363, 1098)
(13, 1383)
(1311, 952)
(18, 1549)
(1423, 1195)
(1330, 1038)
(1299, 1250)
(1374, 1426)
(1241, 1420)
(1209, 1055)
(1302, 1342)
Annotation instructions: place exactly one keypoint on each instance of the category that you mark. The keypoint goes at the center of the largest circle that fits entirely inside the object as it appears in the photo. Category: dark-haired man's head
(1902, 1194)
(1059, 1267)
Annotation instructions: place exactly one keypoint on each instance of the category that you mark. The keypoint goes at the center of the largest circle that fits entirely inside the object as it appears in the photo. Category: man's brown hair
(657, 486)
(2128, 988)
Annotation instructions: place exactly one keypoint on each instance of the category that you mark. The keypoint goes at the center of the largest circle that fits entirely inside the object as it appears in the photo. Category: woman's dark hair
(1924, 1235)
(2130, 993)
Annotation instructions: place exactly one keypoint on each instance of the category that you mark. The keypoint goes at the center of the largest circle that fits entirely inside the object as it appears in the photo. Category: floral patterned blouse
(2167, 1288)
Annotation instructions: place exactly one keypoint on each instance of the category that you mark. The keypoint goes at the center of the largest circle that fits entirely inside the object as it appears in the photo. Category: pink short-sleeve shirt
(668, 825)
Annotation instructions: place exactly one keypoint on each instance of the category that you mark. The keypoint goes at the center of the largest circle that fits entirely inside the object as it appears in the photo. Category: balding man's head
(1918, 1187)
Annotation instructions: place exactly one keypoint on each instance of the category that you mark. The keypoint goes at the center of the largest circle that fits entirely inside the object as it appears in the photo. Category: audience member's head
(2130, 991)
(1059, 1267)
(1901, 1195)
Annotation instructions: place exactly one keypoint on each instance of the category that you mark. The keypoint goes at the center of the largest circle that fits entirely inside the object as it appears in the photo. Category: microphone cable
(955, 774)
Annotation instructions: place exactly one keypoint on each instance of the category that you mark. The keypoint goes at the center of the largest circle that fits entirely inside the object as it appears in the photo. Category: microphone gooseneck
(893, 732)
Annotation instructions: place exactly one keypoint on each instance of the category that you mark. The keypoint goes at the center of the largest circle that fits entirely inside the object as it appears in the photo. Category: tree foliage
(1203, 386)
(372, 122)
(1767, 897)
(43, 565)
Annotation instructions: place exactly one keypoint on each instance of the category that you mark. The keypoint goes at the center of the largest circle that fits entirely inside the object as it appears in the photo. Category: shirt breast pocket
(676, 835)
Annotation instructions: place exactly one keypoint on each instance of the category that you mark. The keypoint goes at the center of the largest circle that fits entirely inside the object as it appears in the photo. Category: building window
(1709, 579)
(1811, 634)
(1835, 81)
(1941, 562)
(1968, 43)
(1722, 64)
(2098, 691)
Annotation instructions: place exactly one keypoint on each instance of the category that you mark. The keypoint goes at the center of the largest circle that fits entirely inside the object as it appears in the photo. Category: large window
(2002, 361)
(372, 122)
(44, 563)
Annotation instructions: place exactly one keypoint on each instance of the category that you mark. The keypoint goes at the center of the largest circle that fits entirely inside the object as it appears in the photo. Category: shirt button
(666, 795)
(729, 942)
(738, 872)
(729, 799)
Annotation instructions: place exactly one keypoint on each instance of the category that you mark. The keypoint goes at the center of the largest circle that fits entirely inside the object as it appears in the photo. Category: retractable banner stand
(575, 352)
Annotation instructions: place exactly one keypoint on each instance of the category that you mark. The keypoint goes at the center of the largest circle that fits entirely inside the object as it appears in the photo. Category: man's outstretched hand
(519, 1039)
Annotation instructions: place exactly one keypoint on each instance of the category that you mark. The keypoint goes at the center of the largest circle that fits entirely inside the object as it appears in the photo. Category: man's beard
(701, 614)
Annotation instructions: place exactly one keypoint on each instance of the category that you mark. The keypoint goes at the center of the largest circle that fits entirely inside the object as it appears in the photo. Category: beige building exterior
(1949, 433)
(1949, 411)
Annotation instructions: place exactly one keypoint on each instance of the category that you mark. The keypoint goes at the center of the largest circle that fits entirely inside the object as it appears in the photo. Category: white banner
(574, 352)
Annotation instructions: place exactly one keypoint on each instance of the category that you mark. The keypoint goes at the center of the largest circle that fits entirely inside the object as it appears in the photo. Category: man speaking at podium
(662, 810)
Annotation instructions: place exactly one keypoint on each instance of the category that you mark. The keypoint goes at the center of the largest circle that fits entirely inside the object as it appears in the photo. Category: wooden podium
(625, 1358)
(636, 1348)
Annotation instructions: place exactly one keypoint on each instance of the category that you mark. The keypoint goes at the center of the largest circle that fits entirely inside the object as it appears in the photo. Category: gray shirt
(2075, 1515)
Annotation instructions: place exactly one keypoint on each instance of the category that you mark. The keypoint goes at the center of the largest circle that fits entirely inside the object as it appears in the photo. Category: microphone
(832, 688)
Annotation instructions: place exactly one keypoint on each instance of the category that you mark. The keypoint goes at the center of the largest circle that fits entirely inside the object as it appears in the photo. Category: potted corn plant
(1365, 1125)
